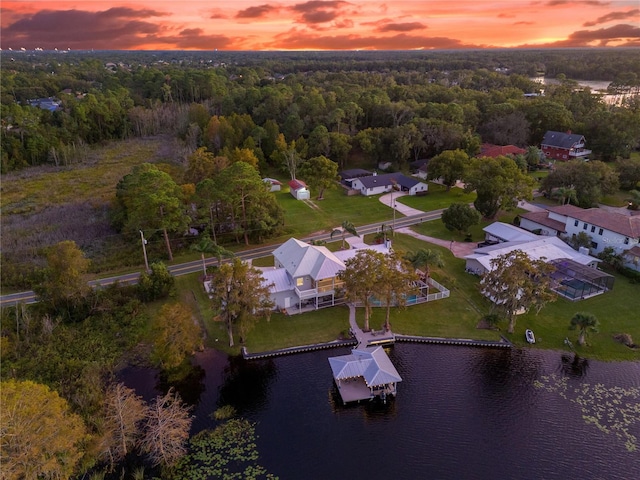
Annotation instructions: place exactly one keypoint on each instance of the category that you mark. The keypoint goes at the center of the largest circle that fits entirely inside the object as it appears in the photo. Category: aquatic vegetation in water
(613, 410)
(228, 452)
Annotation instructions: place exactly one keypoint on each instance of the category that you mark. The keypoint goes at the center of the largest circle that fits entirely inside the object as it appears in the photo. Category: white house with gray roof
(377, 184)
(307, 275)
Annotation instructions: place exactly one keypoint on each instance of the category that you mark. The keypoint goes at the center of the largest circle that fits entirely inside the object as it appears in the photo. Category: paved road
(196, 265)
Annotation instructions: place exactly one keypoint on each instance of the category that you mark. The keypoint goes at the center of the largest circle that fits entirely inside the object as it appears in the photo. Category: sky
(317, 24)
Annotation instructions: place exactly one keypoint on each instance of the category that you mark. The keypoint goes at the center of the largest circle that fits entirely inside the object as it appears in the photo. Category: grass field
(435, 228)
(95, 181)
(437, 198)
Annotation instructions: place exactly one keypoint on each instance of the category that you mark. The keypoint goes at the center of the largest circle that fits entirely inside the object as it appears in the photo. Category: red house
(563, 146)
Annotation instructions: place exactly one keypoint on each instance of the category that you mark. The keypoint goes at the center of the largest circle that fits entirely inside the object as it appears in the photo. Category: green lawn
(616, 310)
(435, 228)
(437, 198)
(302, 219)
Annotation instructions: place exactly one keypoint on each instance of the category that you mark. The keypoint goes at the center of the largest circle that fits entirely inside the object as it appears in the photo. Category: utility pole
(393, 205)
(144, 250)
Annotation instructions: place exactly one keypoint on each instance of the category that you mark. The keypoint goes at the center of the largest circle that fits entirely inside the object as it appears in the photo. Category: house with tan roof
(606, 229)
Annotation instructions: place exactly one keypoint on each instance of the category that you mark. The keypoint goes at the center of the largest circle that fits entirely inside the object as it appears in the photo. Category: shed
(299, 190)
(274, 185)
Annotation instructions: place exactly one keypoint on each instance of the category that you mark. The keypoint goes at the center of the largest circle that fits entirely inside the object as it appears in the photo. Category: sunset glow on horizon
(318, 24)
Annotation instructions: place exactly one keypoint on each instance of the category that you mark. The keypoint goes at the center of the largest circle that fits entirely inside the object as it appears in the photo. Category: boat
(530, 336)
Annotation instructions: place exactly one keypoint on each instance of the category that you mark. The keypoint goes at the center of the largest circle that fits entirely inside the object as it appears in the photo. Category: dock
(299, 349)
(502, 343)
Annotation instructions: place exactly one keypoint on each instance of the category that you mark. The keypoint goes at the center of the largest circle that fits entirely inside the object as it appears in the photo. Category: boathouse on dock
(364, 374)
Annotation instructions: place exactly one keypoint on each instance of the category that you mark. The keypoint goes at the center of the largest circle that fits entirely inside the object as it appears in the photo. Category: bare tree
(124, 412)
(166, 430)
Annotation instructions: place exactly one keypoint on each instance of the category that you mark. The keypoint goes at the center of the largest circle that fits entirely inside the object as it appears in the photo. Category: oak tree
(395, 280)
(517, 283)
(459, 217)
(39, 437)
(359, 277)
(499, 184)
(320, 173)
(448, 166)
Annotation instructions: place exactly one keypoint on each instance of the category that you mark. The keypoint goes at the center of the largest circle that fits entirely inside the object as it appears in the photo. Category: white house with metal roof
(305, 274)
(576, 275)
(541, 248)
(364, 374)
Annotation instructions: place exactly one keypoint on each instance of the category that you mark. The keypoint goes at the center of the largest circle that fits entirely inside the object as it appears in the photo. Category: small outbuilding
(274, 185)
(364, 374)
(299, 190)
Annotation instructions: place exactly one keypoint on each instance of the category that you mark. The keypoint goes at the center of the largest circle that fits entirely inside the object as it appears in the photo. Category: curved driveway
(390, 198)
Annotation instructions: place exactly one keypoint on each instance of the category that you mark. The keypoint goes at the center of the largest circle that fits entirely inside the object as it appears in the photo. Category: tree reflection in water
(246, 383)
(574, 365)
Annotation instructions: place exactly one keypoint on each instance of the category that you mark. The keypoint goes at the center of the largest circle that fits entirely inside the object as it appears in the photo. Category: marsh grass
(35, 189)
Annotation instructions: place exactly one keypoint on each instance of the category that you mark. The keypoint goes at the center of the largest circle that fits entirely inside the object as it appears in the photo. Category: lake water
(460, 413)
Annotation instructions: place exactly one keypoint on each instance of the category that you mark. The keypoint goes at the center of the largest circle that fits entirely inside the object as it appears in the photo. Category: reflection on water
(573, 365)
(460, 413)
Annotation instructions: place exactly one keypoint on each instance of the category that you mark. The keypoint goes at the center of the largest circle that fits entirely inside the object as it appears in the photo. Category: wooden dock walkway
(300, 349)
(502, 343)
(363, 339)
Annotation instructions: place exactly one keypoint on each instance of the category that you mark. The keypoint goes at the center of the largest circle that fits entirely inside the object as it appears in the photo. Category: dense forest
(417, 103)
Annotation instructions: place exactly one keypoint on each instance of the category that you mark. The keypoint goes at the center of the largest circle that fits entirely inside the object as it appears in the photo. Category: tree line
(395, 111)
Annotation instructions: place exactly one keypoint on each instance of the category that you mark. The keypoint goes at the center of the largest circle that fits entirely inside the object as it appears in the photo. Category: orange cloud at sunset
(318, 24)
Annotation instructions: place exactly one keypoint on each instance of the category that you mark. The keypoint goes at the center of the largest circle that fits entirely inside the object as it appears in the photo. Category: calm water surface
(460, 413)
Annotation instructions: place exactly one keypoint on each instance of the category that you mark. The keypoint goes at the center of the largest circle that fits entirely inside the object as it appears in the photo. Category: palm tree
(346, 227)
(585, 322)
(532, 156)
(424, 258)
(566, 194)
(634, 201)
(206, 245)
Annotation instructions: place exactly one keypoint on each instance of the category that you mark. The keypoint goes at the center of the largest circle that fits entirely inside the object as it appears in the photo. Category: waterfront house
(564, 146)
(576, 276)
(306, 276)
(605, 228)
